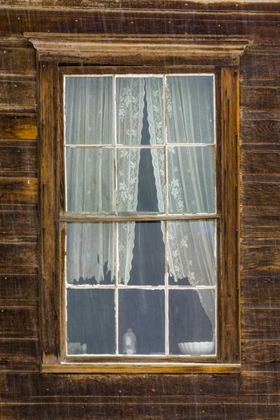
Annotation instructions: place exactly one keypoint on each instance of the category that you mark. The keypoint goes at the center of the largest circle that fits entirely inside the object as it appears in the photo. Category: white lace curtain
(190, 188)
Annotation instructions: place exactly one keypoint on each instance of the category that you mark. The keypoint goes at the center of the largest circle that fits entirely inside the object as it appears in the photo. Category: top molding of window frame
(83, 48)
(53, 49)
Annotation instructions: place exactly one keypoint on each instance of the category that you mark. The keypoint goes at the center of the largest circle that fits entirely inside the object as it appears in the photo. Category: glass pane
(143, 312)
(89, 110)
(90, 322)
(191, 180)
(139, 110)
(141, 253)
(90, 253)
(140, 180)
(190, 109)
(192, 253)
(191, 321)
(90, 180)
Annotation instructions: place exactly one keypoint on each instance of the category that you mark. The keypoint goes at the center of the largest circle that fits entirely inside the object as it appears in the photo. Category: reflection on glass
(143, 312)
(90, 253)
(89, 110)
(191, 180)
(190, 109)
(191, 252)
(90, 321)
(191, 317)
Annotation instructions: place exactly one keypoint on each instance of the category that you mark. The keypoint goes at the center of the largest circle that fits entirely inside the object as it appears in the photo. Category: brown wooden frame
(183, 54)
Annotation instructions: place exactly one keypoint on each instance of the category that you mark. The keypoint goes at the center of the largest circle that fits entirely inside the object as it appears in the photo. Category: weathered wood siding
(252, 394)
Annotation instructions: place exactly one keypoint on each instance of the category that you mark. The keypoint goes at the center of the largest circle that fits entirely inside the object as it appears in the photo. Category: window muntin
(109, 156)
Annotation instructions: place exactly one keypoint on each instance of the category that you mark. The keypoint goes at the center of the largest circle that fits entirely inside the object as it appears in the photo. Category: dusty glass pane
(90, 321)
(191, 320)
(90, 180)
(141, 253)
(192, 253)
(143, 311)
(139, 110)
(190, 109)
(191, 180)
(90, 253)
(140, 180)
(89, 110)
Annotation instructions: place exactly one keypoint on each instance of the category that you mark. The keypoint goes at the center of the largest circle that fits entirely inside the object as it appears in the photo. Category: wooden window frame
(162, 55)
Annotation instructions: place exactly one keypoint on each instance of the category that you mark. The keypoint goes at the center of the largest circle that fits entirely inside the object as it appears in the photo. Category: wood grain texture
(18, 223)
(260, 226)
(16, 60)
(18, 157)
(17, 95)
(146, 411)
(261, 289)
(18, 190)
(261, 324)
(19, 254)
(260, 258)
(261, 355)
(253, 394)
(18, 127)
(19, 355)
(260, 194)
(128, 21)
(260, 98)
(260, 65)
(260, 162)
(20, 322)
(19, 290)
(264, 131)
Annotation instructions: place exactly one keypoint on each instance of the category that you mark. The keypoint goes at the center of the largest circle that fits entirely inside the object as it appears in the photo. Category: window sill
(140, 368)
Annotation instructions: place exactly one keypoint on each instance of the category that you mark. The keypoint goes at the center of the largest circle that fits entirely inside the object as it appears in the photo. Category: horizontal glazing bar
(125, 287)
(106, 218)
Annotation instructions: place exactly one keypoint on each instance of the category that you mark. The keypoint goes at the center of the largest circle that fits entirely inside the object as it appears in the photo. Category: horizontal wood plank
(17, 60)
(130, 21)
(260, 258)
(142, 411)
(260, 194)
(15, 191)
(260, 226)
(260, 162)
(19, 355)
(116, 385)
(17, 95)
(18, 223)
(260, 65)
(261, 324)
(18, 290)
(17, 127)
(18, 255)
(260, 131)
(261, 289)
(261, 355)
(239, 6)
(18, 156)
(260, 98)
(21, 322)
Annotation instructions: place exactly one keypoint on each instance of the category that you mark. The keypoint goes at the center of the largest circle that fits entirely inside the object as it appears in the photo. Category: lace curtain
(190, 188)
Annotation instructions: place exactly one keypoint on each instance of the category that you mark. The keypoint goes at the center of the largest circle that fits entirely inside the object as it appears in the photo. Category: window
(139, 194)
(141, 214)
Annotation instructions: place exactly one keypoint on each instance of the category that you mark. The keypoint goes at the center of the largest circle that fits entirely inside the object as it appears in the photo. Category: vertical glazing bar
(116, 227)
(165, 223)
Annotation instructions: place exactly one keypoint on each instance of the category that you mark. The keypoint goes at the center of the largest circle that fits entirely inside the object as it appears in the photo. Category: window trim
(188, 53)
